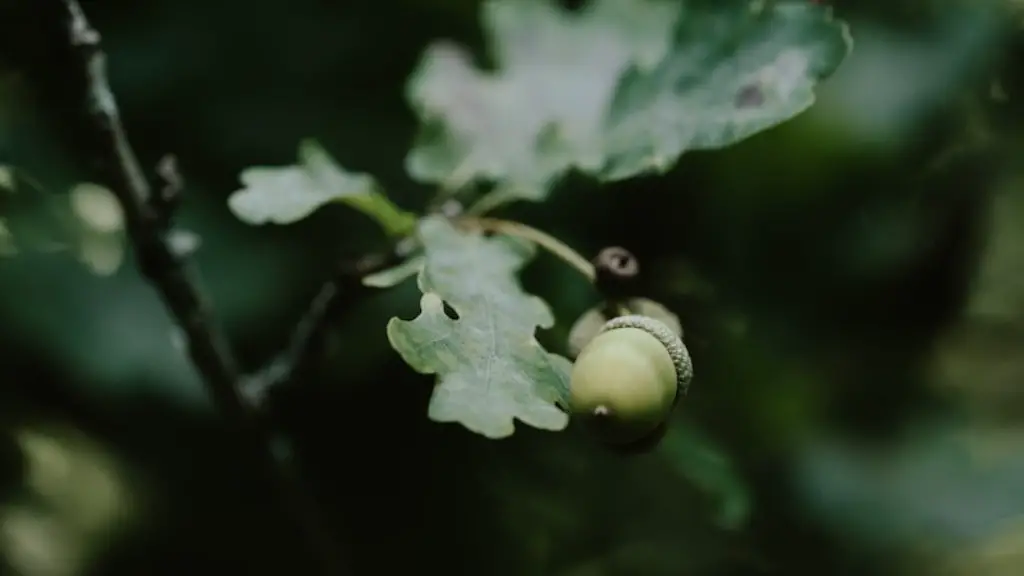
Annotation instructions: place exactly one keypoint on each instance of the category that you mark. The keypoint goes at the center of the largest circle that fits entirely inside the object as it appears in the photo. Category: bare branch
(147, 222)
(307, 339)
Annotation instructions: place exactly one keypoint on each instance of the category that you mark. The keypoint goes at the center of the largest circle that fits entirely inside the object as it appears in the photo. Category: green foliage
(619, 89)
(490, 368)
(286, 195)
(736, 68)
(822, 279)
(615, 90)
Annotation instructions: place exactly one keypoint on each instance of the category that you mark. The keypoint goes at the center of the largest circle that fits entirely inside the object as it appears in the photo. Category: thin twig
(307, 339)
(147, 225)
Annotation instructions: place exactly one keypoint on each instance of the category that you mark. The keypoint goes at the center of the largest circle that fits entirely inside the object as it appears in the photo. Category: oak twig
(307, 339)
(147, 219)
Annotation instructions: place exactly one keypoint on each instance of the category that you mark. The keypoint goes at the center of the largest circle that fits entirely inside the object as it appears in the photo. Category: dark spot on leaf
(749, 96)
(450, 312)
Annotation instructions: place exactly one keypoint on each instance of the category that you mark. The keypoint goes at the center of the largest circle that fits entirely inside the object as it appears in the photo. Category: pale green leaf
(283, 195)
(544, 108)
(736, 69)
(490, 368)
(621, 87)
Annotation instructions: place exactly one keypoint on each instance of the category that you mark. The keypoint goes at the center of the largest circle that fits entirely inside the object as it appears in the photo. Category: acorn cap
(590, 323)
(664, 334)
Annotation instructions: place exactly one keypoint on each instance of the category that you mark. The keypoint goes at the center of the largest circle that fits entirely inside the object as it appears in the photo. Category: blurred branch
(147, 218)
(307, 339)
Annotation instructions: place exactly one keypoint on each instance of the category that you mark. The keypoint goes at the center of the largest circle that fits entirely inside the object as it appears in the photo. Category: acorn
(628, 378)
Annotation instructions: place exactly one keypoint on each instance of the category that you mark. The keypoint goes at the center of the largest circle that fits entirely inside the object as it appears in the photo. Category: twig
(538, 237)
(307, 338)
(147, 225)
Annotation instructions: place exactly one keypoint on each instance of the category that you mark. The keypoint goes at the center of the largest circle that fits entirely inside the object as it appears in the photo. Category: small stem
(538, 237)
(488, 202)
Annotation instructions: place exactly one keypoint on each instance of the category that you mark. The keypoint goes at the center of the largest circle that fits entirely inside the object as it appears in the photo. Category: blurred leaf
(491, 369)
(102, 254)
(998, 291)
(1002, 554)
(75, 477)
(101, 242)
(618, 89)
(288, 194)
(543, 110)
(981, 364)
(37, 544)
(79, 499)
(736, 68)
(941, 485)
(696, 458)
(868, 102)
(88, 222)
(7, 181)
(978, 358)
(96, 207)
(184, 242)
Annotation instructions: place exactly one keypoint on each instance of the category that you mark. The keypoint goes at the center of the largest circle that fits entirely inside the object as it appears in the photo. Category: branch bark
(147, 222)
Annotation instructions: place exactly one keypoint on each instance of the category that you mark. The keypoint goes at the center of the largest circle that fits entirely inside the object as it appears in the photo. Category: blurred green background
(851, 283)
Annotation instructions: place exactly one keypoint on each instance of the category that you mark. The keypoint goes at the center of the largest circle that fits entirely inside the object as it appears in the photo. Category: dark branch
(147, 223)
(307, 339)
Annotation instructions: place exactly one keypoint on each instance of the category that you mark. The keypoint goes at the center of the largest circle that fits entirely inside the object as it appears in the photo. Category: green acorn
(627, 379)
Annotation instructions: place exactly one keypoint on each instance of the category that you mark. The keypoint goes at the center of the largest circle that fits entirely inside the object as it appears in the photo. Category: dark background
(851, 283)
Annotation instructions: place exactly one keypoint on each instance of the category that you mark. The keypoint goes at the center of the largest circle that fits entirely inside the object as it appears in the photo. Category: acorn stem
(538, 237)
(616, 270)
